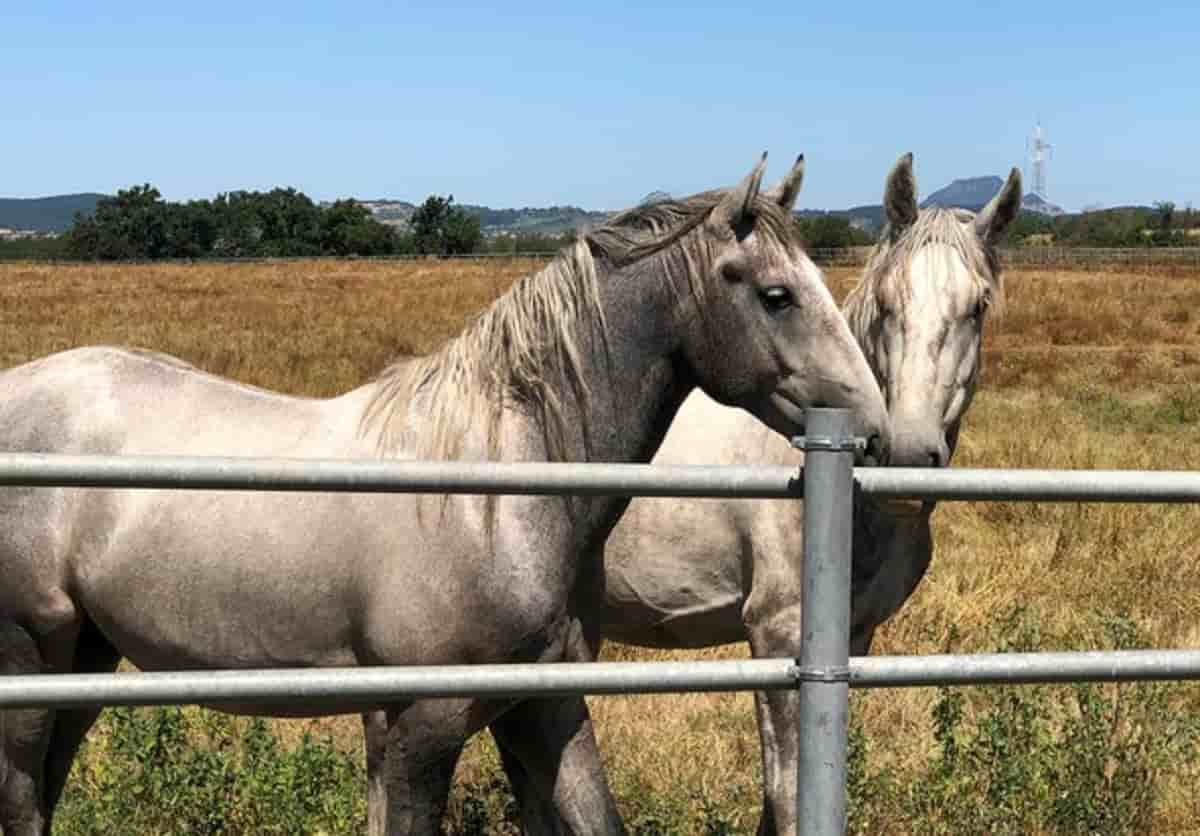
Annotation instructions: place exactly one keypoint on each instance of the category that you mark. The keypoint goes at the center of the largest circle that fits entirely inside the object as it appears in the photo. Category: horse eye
(776, 298)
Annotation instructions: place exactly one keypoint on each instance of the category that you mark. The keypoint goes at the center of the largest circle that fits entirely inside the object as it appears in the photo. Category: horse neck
(862, 312)
(629, 363)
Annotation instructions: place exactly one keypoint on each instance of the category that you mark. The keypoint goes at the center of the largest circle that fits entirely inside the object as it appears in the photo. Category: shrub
(176, 771)
(1085, 759)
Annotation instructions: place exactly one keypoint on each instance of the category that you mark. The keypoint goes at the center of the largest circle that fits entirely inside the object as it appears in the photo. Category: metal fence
(532, 255)
(1067, 257)
(823, 674)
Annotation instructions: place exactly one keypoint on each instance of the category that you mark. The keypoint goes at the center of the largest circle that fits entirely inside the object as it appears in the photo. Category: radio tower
(1039, 153)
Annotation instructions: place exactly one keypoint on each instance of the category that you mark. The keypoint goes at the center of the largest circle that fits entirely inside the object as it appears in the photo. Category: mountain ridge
(55, 214)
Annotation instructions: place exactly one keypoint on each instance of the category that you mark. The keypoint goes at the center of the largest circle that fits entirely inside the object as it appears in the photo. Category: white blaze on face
(930, 341)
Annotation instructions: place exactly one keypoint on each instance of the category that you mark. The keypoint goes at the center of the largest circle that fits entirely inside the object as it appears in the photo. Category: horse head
(762, 331)
(919, 311)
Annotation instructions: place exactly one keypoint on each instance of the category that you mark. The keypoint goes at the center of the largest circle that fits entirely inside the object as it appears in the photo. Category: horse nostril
(935, 459)
(874, 454)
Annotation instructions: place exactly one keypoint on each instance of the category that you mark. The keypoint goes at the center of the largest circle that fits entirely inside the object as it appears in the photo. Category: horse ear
(785, 191)
(738, 204)
(900, 194)
(993, 219)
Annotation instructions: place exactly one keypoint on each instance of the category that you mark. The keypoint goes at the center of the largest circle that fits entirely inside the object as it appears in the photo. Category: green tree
(830, 232)
(1165, 210)
(1027, 224)
(138, 224)
(441, 228)
(349, 228)
(290, 221)
(128, 226)
(190, 229)
(238, 232)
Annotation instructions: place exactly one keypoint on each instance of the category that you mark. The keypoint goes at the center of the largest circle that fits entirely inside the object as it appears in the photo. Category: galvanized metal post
(824, 671)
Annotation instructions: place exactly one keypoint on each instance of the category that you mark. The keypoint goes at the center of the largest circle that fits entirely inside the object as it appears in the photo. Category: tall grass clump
(1086, 759)
(182, 772)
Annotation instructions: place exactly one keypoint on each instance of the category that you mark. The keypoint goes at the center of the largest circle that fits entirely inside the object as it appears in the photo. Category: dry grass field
(1093, 369)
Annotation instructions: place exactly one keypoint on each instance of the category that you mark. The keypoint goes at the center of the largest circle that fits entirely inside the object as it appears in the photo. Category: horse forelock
(526, 347)
(889, 266)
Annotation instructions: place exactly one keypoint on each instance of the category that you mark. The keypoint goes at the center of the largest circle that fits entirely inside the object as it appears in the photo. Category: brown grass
(1085, 370)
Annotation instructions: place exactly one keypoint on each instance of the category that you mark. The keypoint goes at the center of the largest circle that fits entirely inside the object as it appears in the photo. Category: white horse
(699, 573)
(588, 360)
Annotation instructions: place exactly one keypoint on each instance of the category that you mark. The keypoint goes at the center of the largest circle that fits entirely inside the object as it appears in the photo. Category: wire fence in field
(1069, 257)
(1066, 257)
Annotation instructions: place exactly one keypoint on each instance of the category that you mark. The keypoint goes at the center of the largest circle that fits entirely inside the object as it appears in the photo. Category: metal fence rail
(824, 674)
(1042, 256)
(1024, 668)
(379, 476)
(551, 478)
(383, 684)
(830, 256)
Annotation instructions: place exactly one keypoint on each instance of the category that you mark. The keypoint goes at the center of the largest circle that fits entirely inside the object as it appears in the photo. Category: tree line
(1161, 225)
(138, 224)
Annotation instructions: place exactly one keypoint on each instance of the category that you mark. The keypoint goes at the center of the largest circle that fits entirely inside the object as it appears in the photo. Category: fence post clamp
(830, 443)
(816, 673)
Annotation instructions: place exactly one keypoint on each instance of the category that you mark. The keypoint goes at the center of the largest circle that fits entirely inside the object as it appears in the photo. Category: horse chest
(890, 556)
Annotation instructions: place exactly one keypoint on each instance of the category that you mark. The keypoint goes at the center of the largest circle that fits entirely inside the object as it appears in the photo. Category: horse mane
(890, 261)
(525, 348)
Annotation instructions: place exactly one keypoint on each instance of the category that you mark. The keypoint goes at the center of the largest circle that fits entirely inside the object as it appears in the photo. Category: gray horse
(587, 360)
(699, 573)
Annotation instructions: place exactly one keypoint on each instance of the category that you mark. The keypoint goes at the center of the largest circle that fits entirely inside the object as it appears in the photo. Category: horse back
(108, 400)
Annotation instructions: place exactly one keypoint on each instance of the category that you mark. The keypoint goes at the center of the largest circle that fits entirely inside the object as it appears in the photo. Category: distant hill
(55, 214)
(554, 220)
(969, 193)
(391, 212)
(868, 218)
(1034, 203)
(45, 214)
(974, 192)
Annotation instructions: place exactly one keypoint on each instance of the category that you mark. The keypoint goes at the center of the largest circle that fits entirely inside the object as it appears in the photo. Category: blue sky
(595, 104)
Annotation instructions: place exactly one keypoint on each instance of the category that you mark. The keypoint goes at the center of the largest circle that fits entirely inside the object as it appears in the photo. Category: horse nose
(919, 450)
(876, 452)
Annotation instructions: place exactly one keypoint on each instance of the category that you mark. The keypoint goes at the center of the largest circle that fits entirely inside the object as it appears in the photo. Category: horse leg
(375, 740)
(93, 654)
(423, 745)
(538, 817)
(26, 735)
(549, 751)
(775, 636)
(772, 619)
